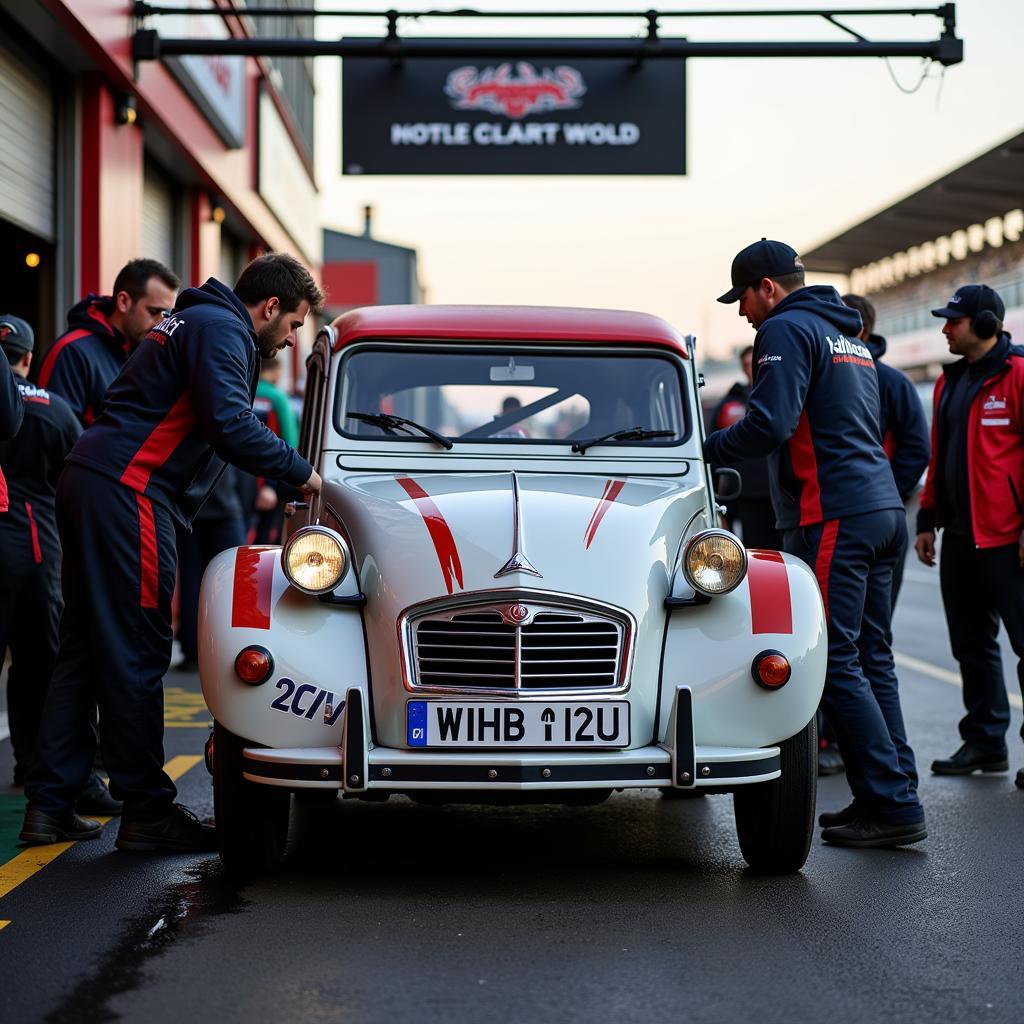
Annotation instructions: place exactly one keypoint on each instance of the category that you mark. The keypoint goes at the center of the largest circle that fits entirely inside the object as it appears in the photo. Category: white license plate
(495, 724)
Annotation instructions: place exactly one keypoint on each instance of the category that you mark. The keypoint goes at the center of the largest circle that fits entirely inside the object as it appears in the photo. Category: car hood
(437, 535)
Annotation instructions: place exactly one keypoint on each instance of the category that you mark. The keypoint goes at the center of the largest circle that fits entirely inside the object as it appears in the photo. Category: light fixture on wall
(125, 109)
(32, 260)
(217, 213)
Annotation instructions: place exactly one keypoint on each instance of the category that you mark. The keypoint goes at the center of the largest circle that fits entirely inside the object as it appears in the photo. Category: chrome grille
(486, 649)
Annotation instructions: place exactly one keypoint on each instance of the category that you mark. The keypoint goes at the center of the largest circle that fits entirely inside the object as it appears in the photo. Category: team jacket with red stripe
(11, 413)
(995, 451)
(32, 461)
(83, 362)
(183, 403)
(813, 410)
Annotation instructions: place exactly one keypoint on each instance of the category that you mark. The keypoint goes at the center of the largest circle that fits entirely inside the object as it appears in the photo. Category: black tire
(253, 821)
(775, 820)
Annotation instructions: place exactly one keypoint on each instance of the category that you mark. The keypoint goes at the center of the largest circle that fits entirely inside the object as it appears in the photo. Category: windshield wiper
(632, 434)
(389, 423)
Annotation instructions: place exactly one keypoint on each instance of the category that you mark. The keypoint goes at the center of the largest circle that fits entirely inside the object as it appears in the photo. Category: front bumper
(356, 767)
(398, 770)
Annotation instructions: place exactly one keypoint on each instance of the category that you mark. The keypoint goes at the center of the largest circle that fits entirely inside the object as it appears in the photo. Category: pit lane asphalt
(637, 910)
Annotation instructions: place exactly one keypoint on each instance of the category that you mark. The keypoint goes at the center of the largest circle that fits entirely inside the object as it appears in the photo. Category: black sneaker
(830, 761)
(178, 830)
(970, 759)
(829, 819)
(40, 829)
(1018, 779)
(96, 799)
(865, 832)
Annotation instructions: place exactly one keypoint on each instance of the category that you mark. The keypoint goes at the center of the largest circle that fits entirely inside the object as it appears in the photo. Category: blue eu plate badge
(417, 715)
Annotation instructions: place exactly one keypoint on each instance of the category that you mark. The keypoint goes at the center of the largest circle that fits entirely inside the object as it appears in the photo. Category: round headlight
(315, 560)
(714, 562)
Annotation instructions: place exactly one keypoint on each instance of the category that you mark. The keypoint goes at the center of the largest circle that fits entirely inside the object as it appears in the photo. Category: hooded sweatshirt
(83, 362)
(182, 407)
(902, 422)
(814, 411)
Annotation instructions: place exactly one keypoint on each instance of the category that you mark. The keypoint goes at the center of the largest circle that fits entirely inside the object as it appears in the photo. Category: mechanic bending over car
(973, 494)
(181, 406)
(814, 411)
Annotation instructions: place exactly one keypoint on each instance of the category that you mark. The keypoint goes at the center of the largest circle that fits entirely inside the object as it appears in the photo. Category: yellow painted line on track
(177, 766)
(27, 863)
(4, 924)
(943, 674)
(34, 858)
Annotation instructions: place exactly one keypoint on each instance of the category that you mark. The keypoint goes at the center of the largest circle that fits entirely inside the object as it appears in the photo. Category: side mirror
(728, 483)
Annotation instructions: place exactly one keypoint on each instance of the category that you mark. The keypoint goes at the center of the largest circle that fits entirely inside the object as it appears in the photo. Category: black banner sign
(432, 115)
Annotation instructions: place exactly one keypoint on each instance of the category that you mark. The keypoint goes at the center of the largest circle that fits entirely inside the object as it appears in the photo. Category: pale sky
(795, 149)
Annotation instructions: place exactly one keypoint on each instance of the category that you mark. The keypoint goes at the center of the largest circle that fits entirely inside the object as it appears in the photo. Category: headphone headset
(985, 323)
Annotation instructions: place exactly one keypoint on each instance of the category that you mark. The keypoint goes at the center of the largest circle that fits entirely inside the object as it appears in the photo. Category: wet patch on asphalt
(182, 912)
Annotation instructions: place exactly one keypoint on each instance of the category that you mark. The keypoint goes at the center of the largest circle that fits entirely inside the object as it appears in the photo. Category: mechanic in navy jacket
(30, 599)
(973, 493)
(901, 421)
(179, 409)
(814, 412)
(103, 330)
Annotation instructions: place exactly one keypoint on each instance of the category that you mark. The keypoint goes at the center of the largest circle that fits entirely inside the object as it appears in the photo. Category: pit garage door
(159, 223)
(27, 152)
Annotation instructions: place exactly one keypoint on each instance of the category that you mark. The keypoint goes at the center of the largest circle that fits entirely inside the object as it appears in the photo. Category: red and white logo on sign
(515, 94)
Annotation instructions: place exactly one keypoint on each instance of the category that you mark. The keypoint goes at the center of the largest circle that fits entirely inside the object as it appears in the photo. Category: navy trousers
(853, 559)
(30, 606)
(980, 586)
(117, 575)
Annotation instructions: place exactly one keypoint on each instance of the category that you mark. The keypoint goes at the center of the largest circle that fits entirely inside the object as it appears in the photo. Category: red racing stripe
(771, 607)
(823, 563)
(51, 357)
(254, 578)
(149, 559)
(37, 553)
(157, 448)
(611, 492)
(440, 533)
(805, 466)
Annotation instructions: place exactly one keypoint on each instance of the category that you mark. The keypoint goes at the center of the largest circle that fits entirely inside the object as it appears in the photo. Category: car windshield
(526, 396)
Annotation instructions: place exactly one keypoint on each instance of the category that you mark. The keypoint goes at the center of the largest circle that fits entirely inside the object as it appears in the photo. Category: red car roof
(517, 323)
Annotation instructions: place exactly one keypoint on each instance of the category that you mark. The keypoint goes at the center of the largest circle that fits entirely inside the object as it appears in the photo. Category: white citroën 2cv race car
(512, 587)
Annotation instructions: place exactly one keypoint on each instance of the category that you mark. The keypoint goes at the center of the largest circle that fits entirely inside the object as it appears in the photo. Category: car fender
(711, 649)
(318, 651)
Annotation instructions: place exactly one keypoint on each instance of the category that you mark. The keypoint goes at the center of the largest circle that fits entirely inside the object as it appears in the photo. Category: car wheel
(775, 820)
(253, 821)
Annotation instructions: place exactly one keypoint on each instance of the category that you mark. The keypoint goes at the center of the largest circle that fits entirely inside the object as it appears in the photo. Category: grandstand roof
(988, 186)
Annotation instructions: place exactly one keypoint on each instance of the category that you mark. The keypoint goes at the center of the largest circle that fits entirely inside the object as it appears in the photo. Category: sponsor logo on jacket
(845, 351)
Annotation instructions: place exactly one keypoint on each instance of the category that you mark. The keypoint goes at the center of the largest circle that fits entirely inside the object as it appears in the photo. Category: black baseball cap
(970, 300)
(16, 336)
(762, 259)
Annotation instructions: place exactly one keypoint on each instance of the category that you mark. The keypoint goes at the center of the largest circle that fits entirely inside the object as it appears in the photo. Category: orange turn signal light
(771, 669)
(254, 665)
